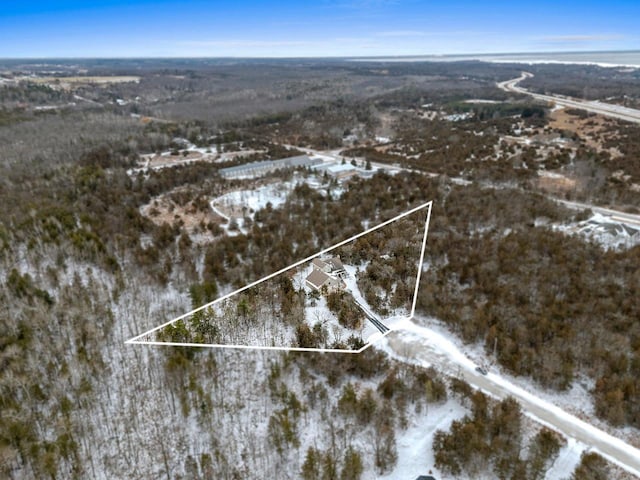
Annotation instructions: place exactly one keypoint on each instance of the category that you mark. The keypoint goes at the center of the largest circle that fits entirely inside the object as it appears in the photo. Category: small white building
(342, 171)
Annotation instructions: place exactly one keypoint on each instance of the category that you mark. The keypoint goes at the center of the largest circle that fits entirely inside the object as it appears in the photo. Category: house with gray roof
(318, 280)
(326, 272)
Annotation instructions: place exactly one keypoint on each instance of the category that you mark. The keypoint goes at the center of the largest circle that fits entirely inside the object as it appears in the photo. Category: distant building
(458, 117)
(342, 171)
(255, 169)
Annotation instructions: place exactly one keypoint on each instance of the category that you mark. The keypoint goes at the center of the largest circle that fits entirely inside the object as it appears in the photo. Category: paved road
(421, 345)
(607, 109)
(631, 219)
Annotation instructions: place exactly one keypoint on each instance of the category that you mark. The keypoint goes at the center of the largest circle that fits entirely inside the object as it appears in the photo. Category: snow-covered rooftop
(346, 167)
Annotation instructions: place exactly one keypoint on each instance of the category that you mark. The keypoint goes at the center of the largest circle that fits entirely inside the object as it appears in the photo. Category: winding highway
(607, 109)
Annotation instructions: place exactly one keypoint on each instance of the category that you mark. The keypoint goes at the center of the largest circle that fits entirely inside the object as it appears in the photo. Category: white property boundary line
(136, 340)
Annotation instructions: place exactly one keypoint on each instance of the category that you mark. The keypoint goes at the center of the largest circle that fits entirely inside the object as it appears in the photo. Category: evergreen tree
(352, 468)
(311, 465)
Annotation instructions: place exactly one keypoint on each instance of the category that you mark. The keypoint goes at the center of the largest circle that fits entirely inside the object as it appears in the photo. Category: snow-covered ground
(371, 333)
(245, 203)
(415, 455)
(567, 460)
(253, 200)
(241, 203)
(427, 347)
(576, 400)
(481, 100)
(318, 312)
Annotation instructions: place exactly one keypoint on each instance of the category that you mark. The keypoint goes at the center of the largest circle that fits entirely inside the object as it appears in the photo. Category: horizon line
(315, 57)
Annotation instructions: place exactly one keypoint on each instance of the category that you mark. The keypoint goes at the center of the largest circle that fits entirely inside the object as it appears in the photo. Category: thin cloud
(422, 33)
(351, 40)
(361, 4)
(581, 38)
(403, 33)
(246, 43)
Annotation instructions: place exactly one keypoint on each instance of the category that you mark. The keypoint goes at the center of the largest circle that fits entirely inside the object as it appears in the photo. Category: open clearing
(592, 129)
(68, 82)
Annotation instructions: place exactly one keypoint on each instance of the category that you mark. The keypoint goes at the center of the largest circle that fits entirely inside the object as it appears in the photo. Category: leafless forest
(83, 269)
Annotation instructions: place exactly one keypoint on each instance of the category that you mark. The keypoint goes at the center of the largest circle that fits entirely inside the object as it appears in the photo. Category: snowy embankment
(424, 346)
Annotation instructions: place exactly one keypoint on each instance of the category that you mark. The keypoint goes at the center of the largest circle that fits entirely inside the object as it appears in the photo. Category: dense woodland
(82, 270)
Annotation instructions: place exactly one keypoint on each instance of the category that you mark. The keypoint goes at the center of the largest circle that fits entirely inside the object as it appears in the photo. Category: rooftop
(346, 167)
(297, 161)
(317, 278)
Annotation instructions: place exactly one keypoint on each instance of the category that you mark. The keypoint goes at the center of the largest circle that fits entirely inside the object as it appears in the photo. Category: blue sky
(119, 28)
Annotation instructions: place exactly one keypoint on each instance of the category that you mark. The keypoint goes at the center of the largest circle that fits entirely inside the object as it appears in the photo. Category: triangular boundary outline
(428, 205)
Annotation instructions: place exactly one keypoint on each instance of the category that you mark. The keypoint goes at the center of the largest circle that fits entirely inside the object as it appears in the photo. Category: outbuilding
(342, 171)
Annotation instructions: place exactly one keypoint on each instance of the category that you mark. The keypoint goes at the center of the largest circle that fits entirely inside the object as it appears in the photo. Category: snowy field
(254, 200)
(415, 455)
(245, 203)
